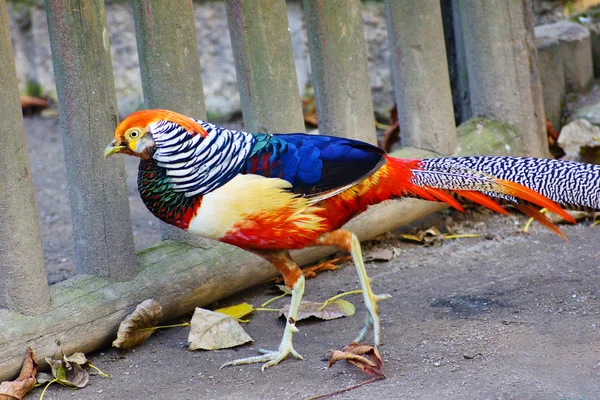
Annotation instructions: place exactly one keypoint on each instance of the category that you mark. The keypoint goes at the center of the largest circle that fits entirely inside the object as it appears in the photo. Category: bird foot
(372, 318)
(269, 357)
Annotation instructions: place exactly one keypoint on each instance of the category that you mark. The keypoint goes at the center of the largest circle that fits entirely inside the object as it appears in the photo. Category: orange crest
(145, 117)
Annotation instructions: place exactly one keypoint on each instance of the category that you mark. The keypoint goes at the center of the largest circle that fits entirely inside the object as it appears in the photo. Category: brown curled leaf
(134, 329)
(18, 388)
(365, 357)
(68, 374)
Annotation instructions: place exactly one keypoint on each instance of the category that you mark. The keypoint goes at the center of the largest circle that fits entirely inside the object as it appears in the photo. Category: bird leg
(295, 281)
(348, 241)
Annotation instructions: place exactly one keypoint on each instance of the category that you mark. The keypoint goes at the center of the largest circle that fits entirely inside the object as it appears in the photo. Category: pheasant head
(135, 135)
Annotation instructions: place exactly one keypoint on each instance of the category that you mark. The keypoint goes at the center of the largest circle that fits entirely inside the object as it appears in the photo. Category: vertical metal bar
(170, 69)
(498, 52)
(264, 62)
(88, 116)
(339, 68)
(420, 70)
(23, 283)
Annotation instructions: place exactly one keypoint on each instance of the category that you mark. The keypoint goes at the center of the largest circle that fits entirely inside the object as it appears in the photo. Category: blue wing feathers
(313, 164)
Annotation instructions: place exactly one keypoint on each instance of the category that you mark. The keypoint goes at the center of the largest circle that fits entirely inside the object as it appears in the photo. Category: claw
(269, 357)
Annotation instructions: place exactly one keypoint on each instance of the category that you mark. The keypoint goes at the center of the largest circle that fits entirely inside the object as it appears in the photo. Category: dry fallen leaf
(312, 270)
(365, 357)
(309, 109)
(32, 105)
(18, 388)
(237, 311)
(380, 255)
(132, 331)
(327, 310)
(43, 377)
(391, 134)
(68, 374)
(433, 236)
(77, 358)
(211, 330)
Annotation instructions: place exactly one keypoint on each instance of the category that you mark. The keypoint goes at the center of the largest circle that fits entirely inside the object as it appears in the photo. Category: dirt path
(507, 316)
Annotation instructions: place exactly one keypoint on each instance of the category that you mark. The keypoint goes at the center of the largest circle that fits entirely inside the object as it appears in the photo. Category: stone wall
(29, 31)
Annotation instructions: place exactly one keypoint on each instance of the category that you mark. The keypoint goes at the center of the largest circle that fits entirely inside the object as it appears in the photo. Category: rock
(580, 141)
(488, 137)
(590, 112)
(576, 50)
(591, 21)
(553, 78)
(584, 106)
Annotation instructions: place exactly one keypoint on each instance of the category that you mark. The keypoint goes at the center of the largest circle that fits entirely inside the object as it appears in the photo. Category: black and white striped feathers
(197, 165)
(565, 182)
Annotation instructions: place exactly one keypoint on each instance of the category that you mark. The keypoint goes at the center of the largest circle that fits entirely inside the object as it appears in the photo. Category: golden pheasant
(271, 193)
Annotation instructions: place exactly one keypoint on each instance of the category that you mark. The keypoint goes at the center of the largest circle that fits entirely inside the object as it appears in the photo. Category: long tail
(520, 181)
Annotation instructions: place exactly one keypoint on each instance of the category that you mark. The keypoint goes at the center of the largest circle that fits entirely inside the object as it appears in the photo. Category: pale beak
(112, 148)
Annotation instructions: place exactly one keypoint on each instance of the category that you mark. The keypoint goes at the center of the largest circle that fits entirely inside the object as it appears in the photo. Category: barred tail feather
(532, 212)
(522, 192)
(521, 181)
(568, 183)
(481, 199)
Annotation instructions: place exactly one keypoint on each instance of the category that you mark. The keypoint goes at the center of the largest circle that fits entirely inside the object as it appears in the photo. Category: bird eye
(133, 134)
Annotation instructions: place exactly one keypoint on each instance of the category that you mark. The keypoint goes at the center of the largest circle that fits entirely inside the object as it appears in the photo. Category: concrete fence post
(500, 51)
(339, 68)
(23, 284)
(88, 116)
(170, 69)
(264, 62)
(420, 70)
